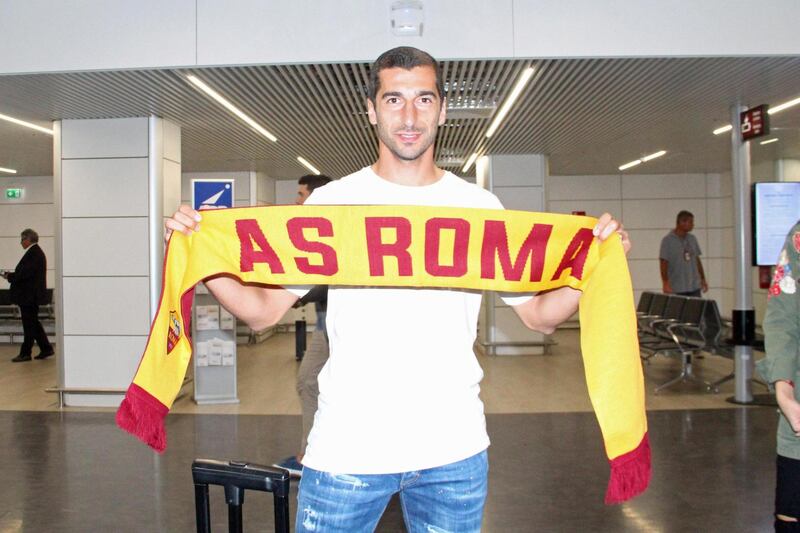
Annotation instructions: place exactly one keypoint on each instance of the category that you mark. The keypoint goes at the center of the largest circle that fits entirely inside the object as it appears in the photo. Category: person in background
(29, 291)
(317, 354)
(681, 269)
(780, 369)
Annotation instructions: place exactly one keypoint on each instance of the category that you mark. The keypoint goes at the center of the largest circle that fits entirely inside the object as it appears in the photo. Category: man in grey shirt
(681, 270)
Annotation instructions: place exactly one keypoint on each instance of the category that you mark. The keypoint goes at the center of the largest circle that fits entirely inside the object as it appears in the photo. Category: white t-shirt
(400, 389)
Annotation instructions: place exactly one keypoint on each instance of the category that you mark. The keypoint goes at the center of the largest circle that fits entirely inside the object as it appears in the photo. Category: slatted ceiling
(588, 115)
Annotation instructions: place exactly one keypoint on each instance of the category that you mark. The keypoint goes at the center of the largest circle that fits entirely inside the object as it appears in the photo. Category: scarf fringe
(141, 415)
(630, 474)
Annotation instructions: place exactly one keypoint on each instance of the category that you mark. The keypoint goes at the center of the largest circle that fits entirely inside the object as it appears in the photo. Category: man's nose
(409, 114)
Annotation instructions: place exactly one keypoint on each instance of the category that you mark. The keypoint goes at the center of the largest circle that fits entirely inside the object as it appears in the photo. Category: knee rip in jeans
(784, 518)
(351, 480)
(310, 519)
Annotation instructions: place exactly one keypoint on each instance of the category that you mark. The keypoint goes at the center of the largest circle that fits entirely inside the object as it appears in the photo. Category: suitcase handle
(236, 477)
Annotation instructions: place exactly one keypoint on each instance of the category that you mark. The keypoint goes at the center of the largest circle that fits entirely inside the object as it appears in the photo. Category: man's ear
(373, 118)
(443, 111)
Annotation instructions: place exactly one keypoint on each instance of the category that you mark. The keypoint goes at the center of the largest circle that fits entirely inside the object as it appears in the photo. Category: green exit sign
(13, 194)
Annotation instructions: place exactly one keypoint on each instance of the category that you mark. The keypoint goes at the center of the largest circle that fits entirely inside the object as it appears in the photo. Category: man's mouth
(409, 136)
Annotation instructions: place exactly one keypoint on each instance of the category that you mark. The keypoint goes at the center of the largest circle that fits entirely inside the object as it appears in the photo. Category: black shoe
(45, 355)
(20, 358)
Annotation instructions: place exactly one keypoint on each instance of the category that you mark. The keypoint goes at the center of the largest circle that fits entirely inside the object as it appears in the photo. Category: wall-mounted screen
(776, 208)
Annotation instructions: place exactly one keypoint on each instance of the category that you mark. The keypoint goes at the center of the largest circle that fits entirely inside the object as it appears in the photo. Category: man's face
(407, 111)
(686, 225)
(302, 194)
(24, 243)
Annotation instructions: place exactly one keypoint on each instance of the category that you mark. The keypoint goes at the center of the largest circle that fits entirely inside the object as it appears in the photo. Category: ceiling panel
(588, 115)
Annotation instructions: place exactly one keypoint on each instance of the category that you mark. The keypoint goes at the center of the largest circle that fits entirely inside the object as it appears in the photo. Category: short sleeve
(513, 299)
(298, 290)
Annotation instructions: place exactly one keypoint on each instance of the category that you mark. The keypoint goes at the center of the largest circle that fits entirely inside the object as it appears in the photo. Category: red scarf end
(630, 474)
(142, 415)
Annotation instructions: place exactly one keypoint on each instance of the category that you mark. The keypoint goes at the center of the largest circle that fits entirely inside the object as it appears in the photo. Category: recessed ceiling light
(786, 105)
(230, 107)
(768, 141)
(506, 107)
(469, 162)
(26, 124)
(9, 170)
(723, 129)
(309, 166)
(653, 156)
(631, 164)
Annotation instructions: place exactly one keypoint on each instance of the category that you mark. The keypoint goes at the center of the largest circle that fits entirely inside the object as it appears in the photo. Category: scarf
(411, 246)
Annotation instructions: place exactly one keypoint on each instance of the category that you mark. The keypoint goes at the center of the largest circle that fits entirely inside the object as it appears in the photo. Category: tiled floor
(72, 470)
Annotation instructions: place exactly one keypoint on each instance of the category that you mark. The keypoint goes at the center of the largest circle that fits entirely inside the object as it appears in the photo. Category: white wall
(47, 36)
(34, 210)
(647, 205)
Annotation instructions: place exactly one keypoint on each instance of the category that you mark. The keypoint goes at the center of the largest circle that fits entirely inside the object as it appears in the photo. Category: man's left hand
(607, 226)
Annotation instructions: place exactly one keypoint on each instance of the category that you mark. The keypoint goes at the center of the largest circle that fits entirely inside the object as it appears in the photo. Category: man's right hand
(185, 219)
(666, 287)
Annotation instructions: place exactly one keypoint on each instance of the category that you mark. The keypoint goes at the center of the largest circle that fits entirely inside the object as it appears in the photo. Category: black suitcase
(236, 477)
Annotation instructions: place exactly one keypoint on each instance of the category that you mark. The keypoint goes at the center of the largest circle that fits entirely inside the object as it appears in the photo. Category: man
(399, 410)
(781, 370)
(681, 269)
(28, 291)
(317, 354)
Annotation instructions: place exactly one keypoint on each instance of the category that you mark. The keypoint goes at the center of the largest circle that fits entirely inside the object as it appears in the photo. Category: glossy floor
(72, 470)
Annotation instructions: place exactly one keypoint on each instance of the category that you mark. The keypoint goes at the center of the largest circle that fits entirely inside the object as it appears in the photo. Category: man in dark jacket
(28, 291)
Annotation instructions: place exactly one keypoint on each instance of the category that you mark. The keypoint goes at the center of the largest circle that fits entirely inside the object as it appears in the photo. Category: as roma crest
(174, 333)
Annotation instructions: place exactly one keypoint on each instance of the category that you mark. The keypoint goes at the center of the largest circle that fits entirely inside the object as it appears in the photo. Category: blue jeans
(444, 499)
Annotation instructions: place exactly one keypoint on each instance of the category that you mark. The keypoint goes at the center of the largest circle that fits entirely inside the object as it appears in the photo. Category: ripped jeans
(444, 499)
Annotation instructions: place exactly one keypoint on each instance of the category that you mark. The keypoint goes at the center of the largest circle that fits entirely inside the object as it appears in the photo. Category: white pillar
(518, 180)
(114, 181)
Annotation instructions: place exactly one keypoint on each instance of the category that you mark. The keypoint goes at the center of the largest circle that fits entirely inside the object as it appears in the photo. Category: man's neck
(680, 233)
(419, 172)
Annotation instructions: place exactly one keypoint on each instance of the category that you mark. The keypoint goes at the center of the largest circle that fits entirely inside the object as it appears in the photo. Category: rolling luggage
(236, 477)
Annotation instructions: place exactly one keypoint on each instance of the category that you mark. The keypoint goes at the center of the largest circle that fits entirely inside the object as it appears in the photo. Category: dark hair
(312, 181)
(29, 235)
(683, 215)
(405, 57)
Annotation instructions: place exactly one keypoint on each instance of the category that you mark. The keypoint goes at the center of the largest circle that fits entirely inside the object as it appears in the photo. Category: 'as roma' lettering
(495, 244)
(249, 232)
(377, 249)
(433, 234)
(575, 256)
(295, 227)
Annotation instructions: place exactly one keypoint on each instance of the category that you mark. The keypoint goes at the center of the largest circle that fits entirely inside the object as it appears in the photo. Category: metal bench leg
(687, 374)
(202, 510)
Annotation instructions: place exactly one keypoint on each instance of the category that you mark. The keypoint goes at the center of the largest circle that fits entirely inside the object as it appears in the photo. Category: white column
(114, 181)
(518, 181)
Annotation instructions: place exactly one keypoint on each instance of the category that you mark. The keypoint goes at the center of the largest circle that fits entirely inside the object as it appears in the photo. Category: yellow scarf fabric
(411, 246)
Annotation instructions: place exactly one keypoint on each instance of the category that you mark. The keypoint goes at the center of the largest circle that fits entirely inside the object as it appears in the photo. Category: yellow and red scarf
(411, 246)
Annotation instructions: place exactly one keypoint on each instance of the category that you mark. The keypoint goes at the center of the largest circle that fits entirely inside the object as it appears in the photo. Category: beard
(407, 153)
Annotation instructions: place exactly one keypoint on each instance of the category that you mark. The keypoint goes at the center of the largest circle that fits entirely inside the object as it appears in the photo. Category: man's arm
(666, 287)
(259, 307)
(548, 309)
(700, 271)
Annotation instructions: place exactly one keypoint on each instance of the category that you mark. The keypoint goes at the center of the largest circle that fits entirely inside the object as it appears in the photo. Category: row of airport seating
(682, 327)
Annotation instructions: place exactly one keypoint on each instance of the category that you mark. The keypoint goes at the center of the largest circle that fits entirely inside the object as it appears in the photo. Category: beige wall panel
(583, 187)
(105, 247)
(106, 306)
(521, 198)
(664, 186)
(658, 213)
(102, 362)
(122, 137)
(17, 217)
(593, 208)
(104, 187)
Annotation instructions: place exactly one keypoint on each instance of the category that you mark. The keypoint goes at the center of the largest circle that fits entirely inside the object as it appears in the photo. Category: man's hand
(607, 226)
(185, 219)
(666, 288)
(784, 394)
(704, 286)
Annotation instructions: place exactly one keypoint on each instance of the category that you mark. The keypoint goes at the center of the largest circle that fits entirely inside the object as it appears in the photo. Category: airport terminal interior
(228, 104)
